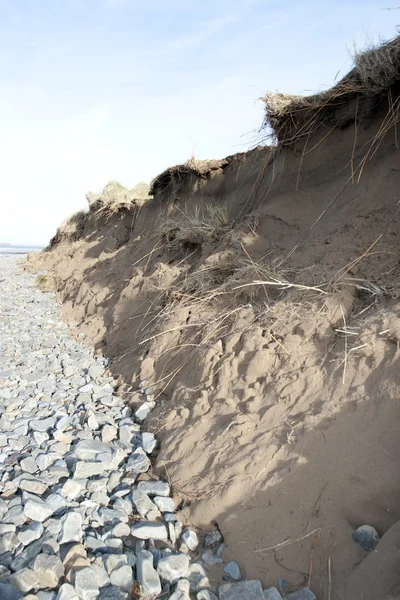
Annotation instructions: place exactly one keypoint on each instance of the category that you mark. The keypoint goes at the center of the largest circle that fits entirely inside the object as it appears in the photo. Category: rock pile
(80, 516)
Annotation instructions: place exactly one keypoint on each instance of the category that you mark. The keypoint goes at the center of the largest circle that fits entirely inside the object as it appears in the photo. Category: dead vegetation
(204, 225)
(46, 283)
(115, 198)
(375, 72)
(193, 166)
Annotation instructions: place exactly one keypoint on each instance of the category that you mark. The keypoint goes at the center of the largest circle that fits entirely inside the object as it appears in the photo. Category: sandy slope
(278, 410)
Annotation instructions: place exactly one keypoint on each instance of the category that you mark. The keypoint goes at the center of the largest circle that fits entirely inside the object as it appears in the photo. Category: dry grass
(116, 197)
(46, 283)
(378, 66)
(376, 70)
(204, 225)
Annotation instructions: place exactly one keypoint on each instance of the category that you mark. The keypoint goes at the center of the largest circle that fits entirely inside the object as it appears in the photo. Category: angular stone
(108, 433)
(147, 575)
(149, 442)
(71, 528)
(121, 530)
(25, 580)
(174, 567)
(57, 503)
(198, 577)
(272, 594)
(189, 537)
(30, 483)
(182, 591)
(42, 425)
(251, 590)
(122, 577)
(73, 488)
(88, 449)
(37, 510)
(233, 570)
(304, 594)
(85, 584)
(67, 592)
(138, 462)
(154, 488)
(164, 504)
(30, 533)
(145, 530)
(142, 502)
(84, 470)
(144, 410)
(206, 595)
(29, 465)
(101, 574)
(49, 570)
(15, 515)
(9, 592)
(8, 542)
(113, 593)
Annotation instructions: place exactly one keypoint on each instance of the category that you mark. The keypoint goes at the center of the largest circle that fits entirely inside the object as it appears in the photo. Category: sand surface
(277, 409)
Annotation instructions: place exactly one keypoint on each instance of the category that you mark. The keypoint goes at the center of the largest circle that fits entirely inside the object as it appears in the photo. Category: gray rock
(25, 580)
(147, 575)
(42, 425)
(138, 462)
(48, 569)
(145, 531)
(85, 584)
(366, 536)
(206, 595)
(212, 539)
(144, 410)
(142, 502)
(251, 590)
(9, 592)
(121, 530)
(272, 594)
(84, 470)
(108, 433)
(154, 488)
(149, 442)
(8, 542)
(189, 537)
(67, 592)
(122, 577)
(233, 570)
(57, 503)
(113, 593)
(37, 510)
(29, 483)
(174, 567)
(28, 464)
(181, 591)
(304, 594)
(71, 528)
(198, 577)
(164, 504)
(101, 574)
(30, 533)
(88, 449)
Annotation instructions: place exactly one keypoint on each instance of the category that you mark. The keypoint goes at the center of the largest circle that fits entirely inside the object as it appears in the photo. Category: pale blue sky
(94, 90)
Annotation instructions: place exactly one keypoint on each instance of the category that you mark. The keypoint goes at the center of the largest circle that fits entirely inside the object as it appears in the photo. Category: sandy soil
(277, 410)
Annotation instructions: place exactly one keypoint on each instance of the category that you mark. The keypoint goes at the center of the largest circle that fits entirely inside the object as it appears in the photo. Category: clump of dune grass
(205, 225)
(46, 283)
(115, 197)
(378, 66)
(376, 70)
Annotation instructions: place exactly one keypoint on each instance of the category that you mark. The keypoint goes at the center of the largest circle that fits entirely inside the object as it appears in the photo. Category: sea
(13, 249)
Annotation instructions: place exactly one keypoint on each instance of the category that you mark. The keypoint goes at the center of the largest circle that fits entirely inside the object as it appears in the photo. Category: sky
(100, 90)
